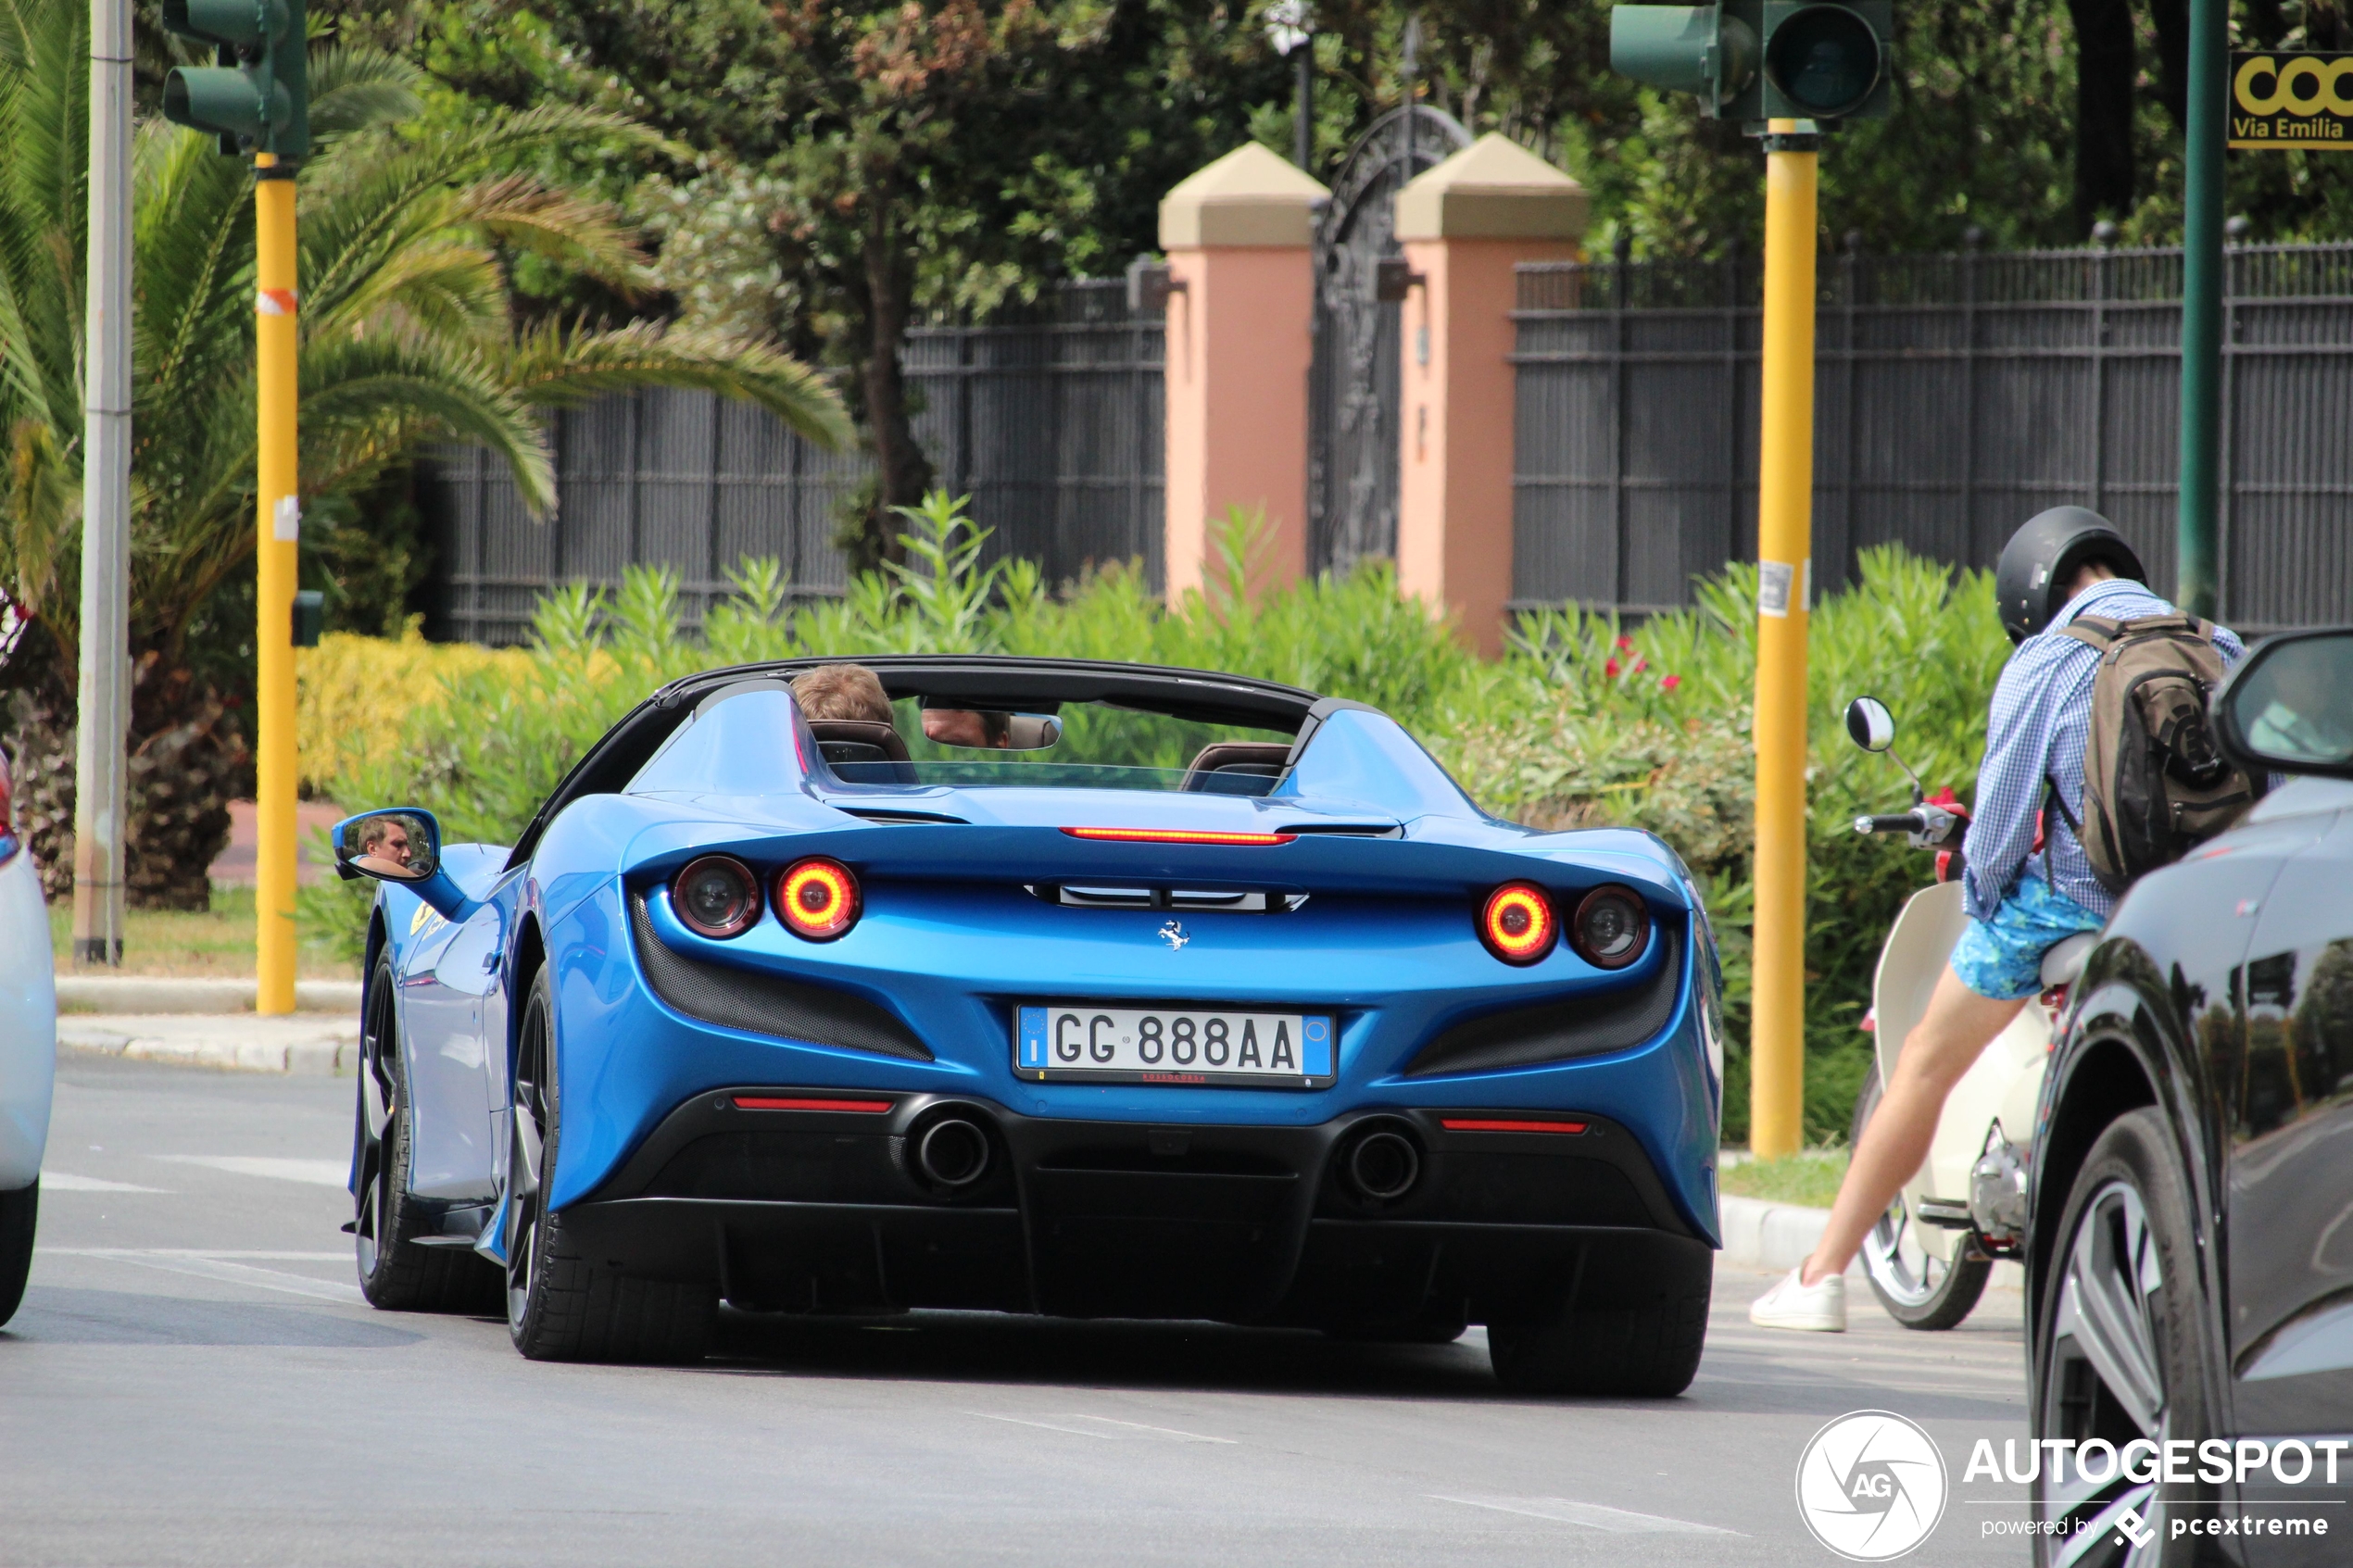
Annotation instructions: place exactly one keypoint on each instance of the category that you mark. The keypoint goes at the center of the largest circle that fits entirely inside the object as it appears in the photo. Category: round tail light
(818, 898)
(1518, 924)
(1611, 928)
(716, 896)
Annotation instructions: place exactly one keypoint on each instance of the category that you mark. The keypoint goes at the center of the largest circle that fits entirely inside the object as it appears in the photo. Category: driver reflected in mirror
(2297, 707)
(391, 847)
(981, 729)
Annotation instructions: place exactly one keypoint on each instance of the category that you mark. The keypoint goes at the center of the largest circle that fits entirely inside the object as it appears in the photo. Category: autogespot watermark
(1871, 1485)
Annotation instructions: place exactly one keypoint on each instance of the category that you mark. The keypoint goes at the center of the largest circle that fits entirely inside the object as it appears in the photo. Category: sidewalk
(319, 1043)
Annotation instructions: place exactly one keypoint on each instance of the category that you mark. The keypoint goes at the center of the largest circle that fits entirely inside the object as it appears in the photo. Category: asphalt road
(194, 1379)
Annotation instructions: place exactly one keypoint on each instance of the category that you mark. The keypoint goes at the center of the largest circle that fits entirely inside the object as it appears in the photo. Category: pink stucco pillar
(1238, 346)
(1466, 223)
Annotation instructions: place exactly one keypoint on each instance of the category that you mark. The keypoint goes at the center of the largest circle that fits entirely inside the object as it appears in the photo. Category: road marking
(220, 1267)
(313, 1173)
(66, 1180)
(1593, 1516)
(1128, 1428)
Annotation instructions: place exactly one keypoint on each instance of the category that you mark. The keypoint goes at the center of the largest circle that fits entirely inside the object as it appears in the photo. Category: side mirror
(2288, 707)
(1869, 725)
(402, 844)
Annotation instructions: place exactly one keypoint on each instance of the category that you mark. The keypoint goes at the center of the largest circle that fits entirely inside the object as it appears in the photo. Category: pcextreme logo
(1871, 1485)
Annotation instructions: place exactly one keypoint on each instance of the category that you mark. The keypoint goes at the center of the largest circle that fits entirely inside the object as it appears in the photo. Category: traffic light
(1756, 60)
(257, 98)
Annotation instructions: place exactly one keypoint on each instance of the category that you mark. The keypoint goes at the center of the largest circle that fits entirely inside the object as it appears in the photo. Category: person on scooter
(2026, 892)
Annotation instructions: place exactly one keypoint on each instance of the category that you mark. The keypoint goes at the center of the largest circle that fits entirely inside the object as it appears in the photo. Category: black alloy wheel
(558, 1307)
(395, 1273)
(1918, 1288)
(19, 1215)
(2121, 1352)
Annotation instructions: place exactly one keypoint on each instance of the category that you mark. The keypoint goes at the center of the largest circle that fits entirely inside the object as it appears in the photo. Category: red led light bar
(771, 1102)
(1177, 835)
(1481, 1125)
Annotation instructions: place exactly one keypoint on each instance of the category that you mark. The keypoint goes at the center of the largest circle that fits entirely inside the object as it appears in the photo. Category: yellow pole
(279, 527)
(1786, 495)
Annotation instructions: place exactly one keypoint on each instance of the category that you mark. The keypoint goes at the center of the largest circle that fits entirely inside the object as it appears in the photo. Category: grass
(217, 943)
(1809, 1177)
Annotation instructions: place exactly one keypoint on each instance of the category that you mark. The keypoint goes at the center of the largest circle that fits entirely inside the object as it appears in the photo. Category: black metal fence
(1955, 397)
(1048, 416)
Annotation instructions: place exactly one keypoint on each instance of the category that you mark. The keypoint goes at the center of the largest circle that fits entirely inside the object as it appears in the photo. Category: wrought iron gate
(1353, 390)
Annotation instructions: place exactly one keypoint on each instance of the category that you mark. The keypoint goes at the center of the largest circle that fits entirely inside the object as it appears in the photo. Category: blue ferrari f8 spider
(1053, 987)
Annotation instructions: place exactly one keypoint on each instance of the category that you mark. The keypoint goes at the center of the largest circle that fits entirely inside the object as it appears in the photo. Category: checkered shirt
(2041, 717)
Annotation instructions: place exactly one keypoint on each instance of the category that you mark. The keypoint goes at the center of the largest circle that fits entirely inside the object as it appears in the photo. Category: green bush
(1582, 722)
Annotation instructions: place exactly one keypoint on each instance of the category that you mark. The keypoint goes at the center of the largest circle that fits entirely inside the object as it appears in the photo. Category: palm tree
(407, 339)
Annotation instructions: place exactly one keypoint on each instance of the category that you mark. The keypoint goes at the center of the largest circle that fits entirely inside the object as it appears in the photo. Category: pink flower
(1610, 668)
(1668, 683)
(1625, 643)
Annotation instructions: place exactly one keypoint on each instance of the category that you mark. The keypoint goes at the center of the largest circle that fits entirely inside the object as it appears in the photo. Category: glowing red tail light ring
(1518, 924)
(818, 898)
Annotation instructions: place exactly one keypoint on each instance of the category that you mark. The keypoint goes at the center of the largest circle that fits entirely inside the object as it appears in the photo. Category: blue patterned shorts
(2001, 959)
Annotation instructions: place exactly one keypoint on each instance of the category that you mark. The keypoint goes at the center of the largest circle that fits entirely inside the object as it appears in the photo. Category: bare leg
(1958, 1025)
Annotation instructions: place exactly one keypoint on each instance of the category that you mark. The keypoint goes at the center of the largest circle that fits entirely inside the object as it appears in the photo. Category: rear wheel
(558, 1307)
(2123, 1350)
(1918, 1290)
(397, 1274)
(1626, 1332)
(20, 1211)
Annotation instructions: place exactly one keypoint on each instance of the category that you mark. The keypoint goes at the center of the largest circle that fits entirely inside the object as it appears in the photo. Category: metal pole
(1785, 527)
(100, 770)
(2196, 573)
(275, 548)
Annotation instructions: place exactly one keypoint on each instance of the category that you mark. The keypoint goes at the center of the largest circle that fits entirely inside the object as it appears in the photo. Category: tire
(559, 1308)
(1915, 1290)
(19, 1215)
(2125, 1290)
(1644, 1341)
(396, 1275)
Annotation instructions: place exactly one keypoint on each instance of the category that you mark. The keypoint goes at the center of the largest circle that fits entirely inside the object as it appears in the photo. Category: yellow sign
(2283, 99)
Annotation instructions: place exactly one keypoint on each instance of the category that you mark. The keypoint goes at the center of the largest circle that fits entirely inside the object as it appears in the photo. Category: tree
(407, 340)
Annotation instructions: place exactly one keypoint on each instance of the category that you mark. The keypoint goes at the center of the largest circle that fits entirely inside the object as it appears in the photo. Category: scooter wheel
(1918, 1290)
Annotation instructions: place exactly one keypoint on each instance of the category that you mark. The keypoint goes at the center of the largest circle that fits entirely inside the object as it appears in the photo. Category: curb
(117, 995)
(1758, 1234)
(312, 1047)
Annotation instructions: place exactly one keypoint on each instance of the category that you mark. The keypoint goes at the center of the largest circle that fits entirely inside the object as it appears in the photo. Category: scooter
(1928, 1256)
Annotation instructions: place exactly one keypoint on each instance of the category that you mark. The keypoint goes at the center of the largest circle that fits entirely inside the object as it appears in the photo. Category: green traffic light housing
(255, 98)
(1756, 60)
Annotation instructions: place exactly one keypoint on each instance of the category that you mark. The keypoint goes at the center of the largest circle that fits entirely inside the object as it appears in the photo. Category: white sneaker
(1821, 1306)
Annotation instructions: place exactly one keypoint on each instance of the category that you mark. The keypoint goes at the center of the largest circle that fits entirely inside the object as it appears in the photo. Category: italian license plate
(1172, 1045)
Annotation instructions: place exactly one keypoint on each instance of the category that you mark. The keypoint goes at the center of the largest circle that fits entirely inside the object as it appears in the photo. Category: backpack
(2155, 784)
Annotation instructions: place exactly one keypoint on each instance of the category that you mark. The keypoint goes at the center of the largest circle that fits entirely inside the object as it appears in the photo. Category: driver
(843, 691)
(384, 847)
(2065, 562)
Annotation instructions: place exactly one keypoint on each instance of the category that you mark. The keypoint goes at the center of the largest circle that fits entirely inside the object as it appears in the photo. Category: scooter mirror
(1870, 725)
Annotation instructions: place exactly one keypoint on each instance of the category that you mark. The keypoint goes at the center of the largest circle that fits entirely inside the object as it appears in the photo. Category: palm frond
(356, 89)
(579, 231)
(552, 366)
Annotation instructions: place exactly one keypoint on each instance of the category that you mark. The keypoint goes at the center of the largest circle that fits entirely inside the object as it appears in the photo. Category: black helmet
(2042, 558)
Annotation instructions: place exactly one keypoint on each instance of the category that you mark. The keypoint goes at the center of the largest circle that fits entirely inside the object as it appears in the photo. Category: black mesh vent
(766, 1004)
(1587, 1025)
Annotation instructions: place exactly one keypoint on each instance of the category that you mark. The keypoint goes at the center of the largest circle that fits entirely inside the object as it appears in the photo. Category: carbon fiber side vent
(766, 1004)
(1614, 1021)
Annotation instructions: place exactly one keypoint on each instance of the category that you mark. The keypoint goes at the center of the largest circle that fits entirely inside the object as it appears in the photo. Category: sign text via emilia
(2282, 98)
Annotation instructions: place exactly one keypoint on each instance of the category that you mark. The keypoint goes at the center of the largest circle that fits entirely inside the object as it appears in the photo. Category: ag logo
(1871, 1485)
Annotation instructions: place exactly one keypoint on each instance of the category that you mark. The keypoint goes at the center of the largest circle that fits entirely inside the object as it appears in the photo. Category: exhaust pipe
(1383, 1165)
(953, 1152)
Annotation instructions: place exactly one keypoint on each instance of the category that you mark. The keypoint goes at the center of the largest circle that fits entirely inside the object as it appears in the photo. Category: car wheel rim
(1896, 1261)
(525, 1161)
(2105, 1379)
(373, 1200)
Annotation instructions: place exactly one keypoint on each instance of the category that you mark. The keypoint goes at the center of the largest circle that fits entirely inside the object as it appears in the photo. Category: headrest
(858, 740)
(1261, 758)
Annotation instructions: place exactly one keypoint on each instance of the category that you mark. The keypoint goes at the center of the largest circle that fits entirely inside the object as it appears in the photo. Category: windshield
(1073, 745)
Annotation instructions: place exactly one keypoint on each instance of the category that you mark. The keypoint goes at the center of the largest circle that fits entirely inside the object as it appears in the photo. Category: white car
(28, 1048)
